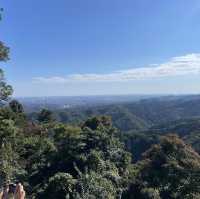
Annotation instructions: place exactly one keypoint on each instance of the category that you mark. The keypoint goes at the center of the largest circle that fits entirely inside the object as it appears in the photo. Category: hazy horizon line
(111, 95)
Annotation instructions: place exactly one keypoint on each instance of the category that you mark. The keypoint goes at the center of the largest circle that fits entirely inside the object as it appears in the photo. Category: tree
(45, 116)
(171, 170)
(86, 163)
(8, 150)
(61, 185)
(93, 185)
(4, 52)
(5, 90)
(16, 107)
(8, 156)
(95, 122)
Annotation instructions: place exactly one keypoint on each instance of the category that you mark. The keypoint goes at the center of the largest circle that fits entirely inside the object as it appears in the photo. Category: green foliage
(95, 122)
(1, 10)
(94, 185)
(92, 160)
(16, 107)
(4, 52)
(45, 116)
(170, 167)
(5, 90)
(138, 142)
(61, 185)
(55, 160)
(8, 145)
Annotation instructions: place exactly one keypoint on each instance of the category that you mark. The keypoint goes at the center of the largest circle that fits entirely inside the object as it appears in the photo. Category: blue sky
(92, 47)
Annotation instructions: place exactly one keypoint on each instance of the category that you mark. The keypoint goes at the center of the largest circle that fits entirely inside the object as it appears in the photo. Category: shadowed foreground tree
(169, 170)
(45, 116)
(5, 90)
(16, 107)
(4, 52)
(8, 155)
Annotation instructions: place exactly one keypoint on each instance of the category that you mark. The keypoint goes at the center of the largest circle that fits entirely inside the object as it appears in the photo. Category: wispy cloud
(176, 66)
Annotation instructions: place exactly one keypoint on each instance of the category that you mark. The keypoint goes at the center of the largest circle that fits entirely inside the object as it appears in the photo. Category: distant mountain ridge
(61, 102)
(129, 113)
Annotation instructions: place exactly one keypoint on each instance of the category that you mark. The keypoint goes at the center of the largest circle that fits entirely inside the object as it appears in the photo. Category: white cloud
(176, 66)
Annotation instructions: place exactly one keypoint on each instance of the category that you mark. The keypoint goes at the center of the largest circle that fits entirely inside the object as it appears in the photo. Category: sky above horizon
(99, 47)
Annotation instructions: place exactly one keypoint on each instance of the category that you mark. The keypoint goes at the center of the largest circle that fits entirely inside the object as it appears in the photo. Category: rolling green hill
(140, 115)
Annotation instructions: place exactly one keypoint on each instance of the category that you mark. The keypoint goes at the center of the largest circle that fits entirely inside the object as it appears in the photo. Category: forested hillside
(140, 115)
(142, 124)
(187, 129)
(55, 160)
